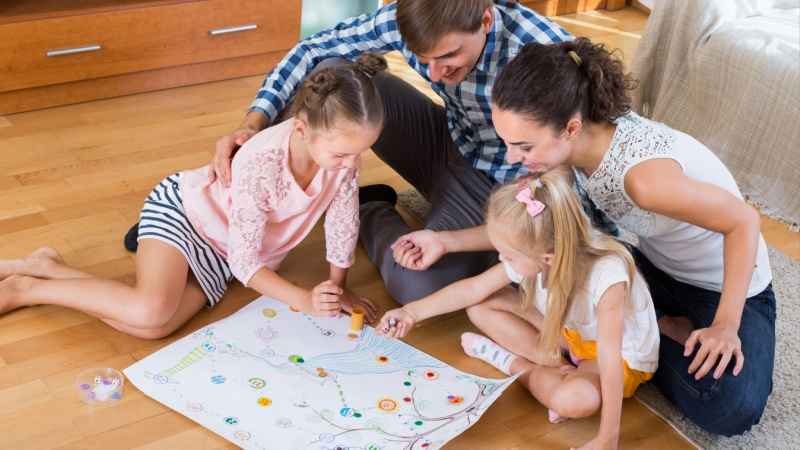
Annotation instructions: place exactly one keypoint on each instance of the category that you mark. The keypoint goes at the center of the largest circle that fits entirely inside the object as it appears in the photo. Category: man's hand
(221, 163)
(350, 300)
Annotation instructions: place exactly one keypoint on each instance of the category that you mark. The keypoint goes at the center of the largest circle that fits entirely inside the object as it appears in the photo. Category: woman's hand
(396, 323)
(717, 343)
(418, 250)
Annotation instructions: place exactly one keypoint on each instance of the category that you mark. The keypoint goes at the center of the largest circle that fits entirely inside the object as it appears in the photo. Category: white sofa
(728, 73)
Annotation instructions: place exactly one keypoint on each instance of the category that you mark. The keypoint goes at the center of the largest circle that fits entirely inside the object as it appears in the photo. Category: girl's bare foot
(11, 290)
(10, 267)
(38, 264)
(676, 328)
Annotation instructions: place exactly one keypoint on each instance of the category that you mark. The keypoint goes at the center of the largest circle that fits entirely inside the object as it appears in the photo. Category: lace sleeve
(341, 224)
(257, 186)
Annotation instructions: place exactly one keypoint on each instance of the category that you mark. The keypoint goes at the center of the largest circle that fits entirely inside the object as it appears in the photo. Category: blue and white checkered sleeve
(376, 32)
(534, 27)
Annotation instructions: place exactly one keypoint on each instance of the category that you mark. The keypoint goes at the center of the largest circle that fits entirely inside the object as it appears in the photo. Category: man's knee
(406, 285)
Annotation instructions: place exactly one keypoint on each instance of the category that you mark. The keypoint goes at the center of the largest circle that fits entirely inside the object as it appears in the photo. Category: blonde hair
(562, 229)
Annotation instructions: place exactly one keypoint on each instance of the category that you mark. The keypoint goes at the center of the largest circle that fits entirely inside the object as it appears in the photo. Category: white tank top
(688, 253)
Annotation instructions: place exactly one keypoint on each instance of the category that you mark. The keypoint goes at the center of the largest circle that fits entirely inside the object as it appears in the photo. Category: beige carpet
(780, 424)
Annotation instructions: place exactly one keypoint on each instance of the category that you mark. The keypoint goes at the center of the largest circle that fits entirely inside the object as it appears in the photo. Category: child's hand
(325, 299)
(349, 300)
(396, 323)
(600, 443)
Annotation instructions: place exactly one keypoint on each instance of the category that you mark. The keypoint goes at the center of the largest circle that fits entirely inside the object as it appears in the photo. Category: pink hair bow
(534, 207)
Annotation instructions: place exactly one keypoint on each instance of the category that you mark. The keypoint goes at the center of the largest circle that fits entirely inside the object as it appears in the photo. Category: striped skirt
(163, 218)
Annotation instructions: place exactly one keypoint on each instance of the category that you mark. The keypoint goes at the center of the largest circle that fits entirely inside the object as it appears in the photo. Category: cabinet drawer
(98, 45)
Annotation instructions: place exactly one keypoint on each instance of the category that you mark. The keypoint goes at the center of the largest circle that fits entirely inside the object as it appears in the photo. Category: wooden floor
(75, 178)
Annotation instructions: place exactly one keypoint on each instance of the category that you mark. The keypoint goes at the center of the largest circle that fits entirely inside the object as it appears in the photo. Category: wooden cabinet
(54, 52)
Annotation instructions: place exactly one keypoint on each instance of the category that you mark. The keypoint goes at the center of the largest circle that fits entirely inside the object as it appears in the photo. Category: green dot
(357, 415)
(418, 423)
(407, 383)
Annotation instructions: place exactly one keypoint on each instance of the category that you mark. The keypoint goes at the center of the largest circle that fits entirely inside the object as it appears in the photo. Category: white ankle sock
(481, 347)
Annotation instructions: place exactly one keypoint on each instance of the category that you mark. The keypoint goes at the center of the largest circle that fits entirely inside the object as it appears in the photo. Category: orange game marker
(356, 322)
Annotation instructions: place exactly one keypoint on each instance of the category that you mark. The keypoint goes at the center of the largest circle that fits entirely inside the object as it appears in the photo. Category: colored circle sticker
(217, 379)
(264, 401)
(346, 412)
(242, 435)
(209, 347)
(269, 313)
(382, 359)
(297, 359)
(431, 375)
(406, 383)
(194, 407)
(321, 372)
(231, 420)
(283, 423)
(387, 405)
(256, 383)
(455, 399)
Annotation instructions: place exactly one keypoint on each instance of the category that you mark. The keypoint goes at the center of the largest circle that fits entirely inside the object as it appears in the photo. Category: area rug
(780, 424)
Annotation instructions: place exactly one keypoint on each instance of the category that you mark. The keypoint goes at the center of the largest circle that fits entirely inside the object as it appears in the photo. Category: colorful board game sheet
(268, 377)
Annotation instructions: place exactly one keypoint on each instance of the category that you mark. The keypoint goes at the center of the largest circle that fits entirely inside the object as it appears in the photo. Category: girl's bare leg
(160, 291)
(568, 391)
(503, 320)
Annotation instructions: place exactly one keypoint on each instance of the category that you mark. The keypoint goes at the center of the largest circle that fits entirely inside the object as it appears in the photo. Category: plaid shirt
(467, 104)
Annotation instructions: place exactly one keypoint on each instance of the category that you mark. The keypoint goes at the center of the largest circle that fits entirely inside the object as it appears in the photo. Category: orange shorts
(632, 378)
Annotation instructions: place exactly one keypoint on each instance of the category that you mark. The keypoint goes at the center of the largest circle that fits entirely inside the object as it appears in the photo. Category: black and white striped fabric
(164, 218)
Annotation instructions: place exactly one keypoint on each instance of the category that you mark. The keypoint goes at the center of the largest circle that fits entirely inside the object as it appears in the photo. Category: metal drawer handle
(238, 29)
(73, 50)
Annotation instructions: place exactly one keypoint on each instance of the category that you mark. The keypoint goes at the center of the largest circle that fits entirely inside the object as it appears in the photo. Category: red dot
(407, 399)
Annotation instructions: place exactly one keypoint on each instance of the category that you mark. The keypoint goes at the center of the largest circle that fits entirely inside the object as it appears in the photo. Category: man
(450, 154)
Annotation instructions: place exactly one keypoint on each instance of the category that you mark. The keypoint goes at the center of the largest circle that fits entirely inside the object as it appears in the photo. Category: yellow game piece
(357, 321)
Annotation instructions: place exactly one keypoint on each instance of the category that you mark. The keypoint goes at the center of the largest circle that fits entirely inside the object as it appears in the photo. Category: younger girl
(580, 291)
(196, 235)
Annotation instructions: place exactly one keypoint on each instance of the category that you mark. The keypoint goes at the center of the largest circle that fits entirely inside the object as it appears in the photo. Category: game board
(268, 377)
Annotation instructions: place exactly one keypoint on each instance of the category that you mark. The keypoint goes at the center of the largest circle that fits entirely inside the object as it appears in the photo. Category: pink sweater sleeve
(255, 191)
(341, 224)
